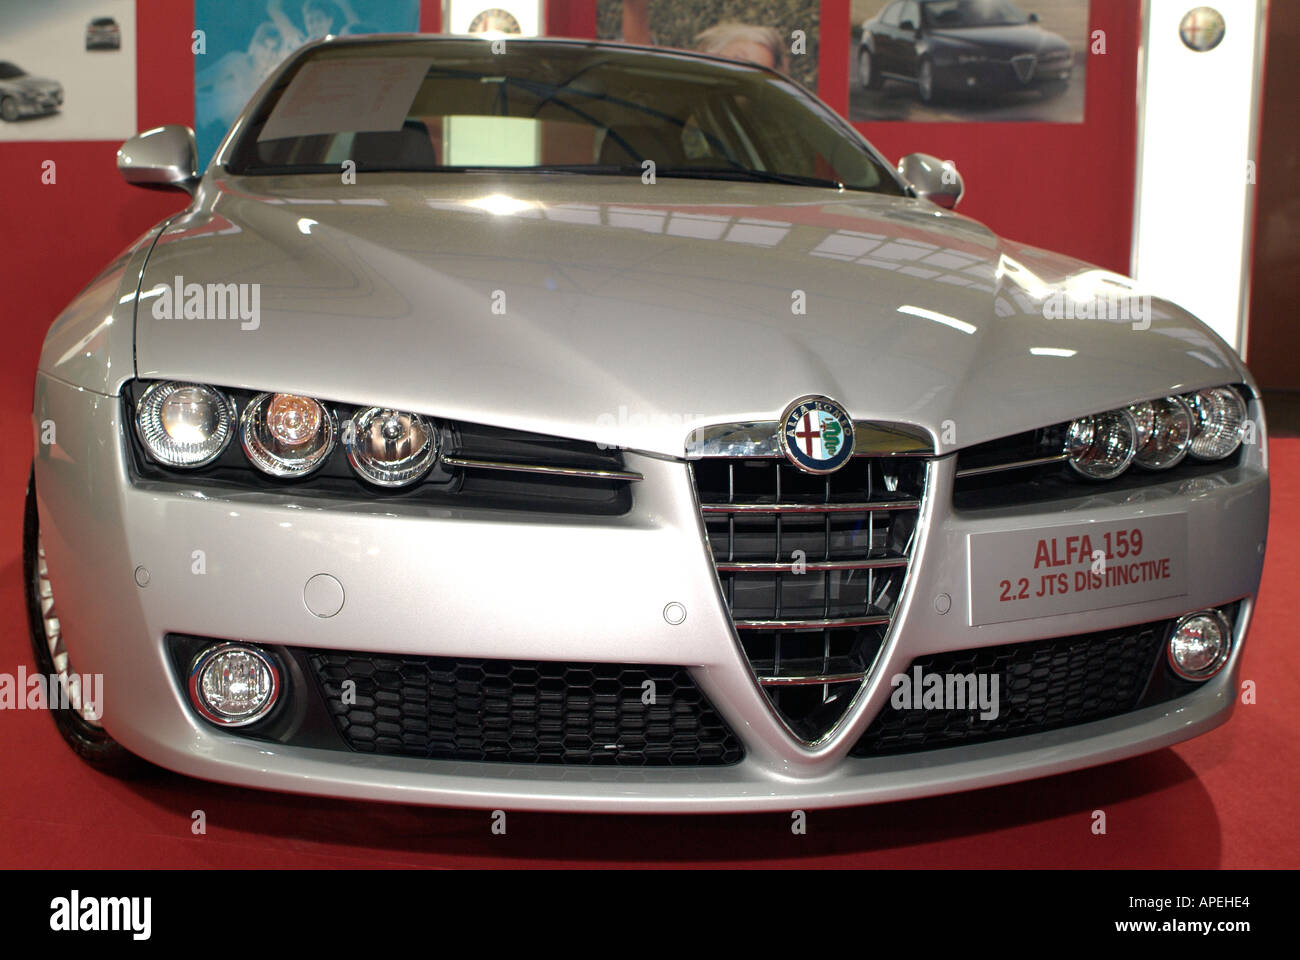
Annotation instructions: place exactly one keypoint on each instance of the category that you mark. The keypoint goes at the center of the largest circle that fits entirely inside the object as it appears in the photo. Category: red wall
(571, 18)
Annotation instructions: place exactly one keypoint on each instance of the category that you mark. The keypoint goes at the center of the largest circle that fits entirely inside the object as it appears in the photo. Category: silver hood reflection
(604, 309)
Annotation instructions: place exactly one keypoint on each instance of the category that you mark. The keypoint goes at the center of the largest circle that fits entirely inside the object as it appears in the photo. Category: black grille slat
(522, 711)
(891, 487)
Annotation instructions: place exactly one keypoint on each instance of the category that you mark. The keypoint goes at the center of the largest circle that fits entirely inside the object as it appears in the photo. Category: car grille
(1025, 65)
(1042, 685)
(812, 568)
(522, 711)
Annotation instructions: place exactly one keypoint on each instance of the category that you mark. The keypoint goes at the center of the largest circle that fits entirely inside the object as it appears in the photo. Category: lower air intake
(1042, 685)
(522, 711)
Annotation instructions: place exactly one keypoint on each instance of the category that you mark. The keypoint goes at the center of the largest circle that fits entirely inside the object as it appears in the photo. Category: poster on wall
(67, 70)
(980, 61)
(781, 34)
(244, 40)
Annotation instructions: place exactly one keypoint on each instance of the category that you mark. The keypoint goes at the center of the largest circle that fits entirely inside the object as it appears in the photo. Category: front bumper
(425, 581)
(39, 106)
(996, 77)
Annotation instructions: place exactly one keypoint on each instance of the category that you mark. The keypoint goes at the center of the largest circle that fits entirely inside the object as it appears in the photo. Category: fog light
(234, 685)
(1200, 645)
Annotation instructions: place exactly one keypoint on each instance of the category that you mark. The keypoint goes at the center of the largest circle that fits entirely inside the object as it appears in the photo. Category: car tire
(9, 109)
(868, 77)
(925, 82)
(90, 741)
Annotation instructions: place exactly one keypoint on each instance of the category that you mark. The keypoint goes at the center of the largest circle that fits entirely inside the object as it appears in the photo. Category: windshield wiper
(757, 176)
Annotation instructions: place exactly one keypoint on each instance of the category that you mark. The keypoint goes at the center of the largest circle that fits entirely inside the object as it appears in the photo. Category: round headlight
(390, 448)
(1164, 431)
(234, 685)
(1102, 446)
(1200, 645)
(286, 435)
(184, 424)
(1218, 415)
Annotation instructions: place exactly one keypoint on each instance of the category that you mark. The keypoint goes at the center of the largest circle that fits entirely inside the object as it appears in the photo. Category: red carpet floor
(1227, 799)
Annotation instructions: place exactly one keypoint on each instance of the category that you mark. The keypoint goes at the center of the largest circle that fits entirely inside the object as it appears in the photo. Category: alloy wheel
(69, 679)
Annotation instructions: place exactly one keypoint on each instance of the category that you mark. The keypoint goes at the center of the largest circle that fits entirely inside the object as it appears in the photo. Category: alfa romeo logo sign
(1202, 29)
(816, 435)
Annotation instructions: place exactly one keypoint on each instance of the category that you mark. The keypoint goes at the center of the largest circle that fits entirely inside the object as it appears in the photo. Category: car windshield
(454, 105)
(9, 71)
(973, 13)
(102, 22)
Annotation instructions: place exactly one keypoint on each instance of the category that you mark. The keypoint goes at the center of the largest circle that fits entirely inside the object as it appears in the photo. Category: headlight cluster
(1157, 434)
(189, 425)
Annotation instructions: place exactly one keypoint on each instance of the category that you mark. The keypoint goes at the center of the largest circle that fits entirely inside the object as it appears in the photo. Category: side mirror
(907, 25)
(164, 158)
(1033, 18)
(933, 179)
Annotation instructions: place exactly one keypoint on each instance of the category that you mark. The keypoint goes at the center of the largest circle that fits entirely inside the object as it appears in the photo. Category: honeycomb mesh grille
(522, 711)
(1042, 685)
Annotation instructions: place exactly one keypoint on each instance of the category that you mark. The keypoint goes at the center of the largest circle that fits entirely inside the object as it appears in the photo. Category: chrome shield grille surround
(813, 570)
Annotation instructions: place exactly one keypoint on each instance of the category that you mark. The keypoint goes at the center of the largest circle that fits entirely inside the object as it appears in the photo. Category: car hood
(1007, 41)
(31, 84)
(604, 309)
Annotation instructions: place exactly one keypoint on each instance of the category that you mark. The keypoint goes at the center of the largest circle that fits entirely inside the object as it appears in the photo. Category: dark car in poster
(981, 48)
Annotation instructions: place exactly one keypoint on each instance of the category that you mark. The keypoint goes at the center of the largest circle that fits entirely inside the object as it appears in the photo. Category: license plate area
(1073, 567)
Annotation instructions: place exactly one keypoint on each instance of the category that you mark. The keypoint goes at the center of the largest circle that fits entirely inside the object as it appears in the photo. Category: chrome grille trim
(822, 624)
(757, 567)
(1013, 465)
(813, 680)
(811, 507)
(467, 464)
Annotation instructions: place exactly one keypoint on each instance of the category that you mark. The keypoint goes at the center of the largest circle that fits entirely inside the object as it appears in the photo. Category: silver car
(558, 425)
(22, 95)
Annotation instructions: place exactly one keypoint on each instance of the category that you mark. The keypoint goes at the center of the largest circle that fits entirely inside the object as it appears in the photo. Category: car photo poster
(67, 70)
(972, 61)
(242, 41)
